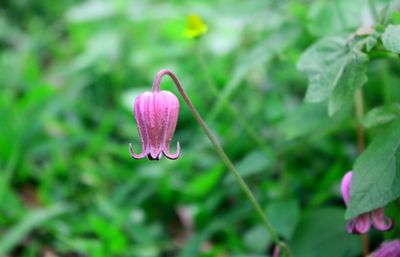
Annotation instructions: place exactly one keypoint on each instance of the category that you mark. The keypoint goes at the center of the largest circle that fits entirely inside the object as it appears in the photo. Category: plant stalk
(283, 247)
(359, 114)
(359, 102)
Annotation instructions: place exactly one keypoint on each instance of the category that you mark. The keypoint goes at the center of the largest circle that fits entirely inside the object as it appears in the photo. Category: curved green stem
(283, 247)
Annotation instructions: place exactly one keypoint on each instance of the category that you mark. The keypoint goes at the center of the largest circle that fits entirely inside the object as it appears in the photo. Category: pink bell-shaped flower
(388, 249)
(156, 114)
(363, 222)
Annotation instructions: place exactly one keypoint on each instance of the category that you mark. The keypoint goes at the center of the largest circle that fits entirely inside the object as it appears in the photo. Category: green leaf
(205, 182)
(322, 63)
(381, 115)
(335, 69)
(376, 176)
(391, 38)
(353, 76)
(293, 126)
(257, 239)
(323, 233)
(284, 216)
(371, 41)
(253, 163)
(32, 220)
(192, 246)
(395, 19)
(330, 17)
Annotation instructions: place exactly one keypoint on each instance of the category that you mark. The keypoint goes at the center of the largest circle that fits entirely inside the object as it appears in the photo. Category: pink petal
(359, 225)
(155, 122)
(139, 109)
(388, 249)
(380, 221)
(345, 187)
(173, 156)
(137, 156)
(363, 223)
(171, 119)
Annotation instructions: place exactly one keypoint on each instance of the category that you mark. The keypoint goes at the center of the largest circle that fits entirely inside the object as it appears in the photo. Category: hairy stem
(361, 146)
(156, 86)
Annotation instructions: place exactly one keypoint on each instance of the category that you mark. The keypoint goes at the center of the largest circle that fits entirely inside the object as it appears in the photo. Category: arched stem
(156, 87)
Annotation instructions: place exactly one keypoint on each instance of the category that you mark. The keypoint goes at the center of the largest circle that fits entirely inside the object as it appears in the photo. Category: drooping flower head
(156, 114)
(363, 222)
(388, 249)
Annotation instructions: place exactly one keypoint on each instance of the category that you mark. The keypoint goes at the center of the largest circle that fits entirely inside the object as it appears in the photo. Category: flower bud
(156, 114)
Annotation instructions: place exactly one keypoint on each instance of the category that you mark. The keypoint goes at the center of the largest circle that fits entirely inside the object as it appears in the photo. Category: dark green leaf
(284, 216)
(376, 179)
(323, 233)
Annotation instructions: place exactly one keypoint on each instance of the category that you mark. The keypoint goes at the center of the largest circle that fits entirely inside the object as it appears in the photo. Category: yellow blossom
(195, 26)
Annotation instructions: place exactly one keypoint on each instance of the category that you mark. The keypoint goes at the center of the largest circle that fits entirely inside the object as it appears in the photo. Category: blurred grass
(70, 71)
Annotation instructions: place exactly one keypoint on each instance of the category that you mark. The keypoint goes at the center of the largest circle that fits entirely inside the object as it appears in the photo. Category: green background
(69, 74)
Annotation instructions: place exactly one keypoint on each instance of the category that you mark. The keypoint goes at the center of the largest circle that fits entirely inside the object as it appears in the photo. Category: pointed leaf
(381, 115)
(353, 76)
(376, 173)
(335, 68)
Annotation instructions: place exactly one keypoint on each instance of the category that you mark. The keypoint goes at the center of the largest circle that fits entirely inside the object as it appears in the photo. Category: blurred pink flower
(276, 251)
(363, 222)
(388, 249)
(156, 114)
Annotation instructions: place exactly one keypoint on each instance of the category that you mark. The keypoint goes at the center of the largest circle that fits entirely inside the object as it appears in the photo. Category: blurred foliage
(70, 71)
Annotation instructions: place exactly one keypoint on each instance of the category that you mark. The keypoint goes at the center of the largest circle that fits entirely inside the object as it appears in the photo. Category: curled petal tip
(359, 225)
(173, 156)
(154, 155)
(380, 221)
(137, 156)
(387, 225)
